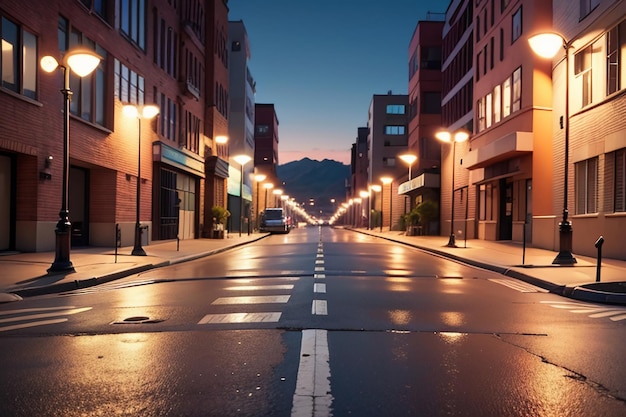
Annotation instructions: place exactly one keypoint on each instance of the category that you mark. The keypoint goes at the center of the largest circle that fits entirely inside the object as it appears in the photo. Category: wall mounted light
(46, 173)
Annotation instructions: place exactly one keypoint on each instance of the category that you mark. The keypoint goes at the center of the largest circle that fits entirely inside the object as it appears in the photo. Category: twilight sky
(321, 61)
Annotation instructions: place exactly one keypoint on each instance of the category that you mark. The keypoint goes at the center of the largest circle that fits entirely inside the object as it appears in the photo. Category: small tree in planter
(220, 217)
(411, 219)
(428, 210)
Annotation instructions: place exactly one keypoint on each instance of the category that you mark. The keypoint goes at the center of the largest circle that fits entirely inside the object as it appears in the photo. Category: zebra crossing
(319, 306)
(33, 317)
(518, 285)
(593, 311)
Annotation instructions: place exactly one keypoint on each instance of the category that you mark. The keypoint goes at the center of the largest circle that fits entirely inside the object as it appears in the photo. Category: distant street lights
(546, 45)
(459, 136)
(385, 181)
(83, 62)
(241, 160)
(147, 111)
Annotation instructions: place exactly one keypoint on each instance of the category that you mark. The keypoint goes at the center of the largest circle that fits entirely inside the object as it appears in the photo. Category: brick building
(153, 52)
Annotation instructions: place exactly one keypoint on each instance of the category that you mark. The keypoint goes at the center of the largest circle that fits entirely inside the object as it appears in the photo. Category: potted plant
(412, 221)
(428, 210)
(220, 216)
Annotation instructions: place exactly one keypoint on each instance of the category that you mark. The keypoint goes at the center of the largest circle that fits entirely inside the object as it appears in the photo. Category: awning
(512, 145)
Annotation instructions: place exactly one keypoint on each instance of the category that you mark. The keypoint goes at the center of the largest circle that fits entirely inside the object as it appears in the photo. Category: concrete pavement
(25, 274)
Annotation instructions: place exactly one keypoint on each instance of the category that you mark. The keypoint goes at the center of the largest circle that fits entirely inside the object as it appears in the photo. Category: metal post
(452, 241)
(598, 245)
(62, 262)
(137, 249)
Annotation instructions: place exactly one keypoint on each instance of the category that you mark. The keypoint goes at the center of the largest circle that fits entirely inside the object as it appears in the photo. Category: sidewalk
(25, 274)
(531, 265)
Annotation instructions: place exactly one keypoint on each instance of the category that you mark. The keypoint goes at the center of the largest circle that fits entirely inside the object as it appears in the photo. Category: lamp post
(83, 62)
(385, 181)
(147, 111)
(259, 178)
(277, 193)
(459, 136)
(376, 188)
(409, 159)
(546, 45)
(364, 195)
(241, 160)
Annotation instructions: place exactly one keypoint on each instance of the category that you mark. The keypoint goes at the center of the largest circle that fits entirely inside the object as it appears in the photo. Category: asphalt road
(317, 322)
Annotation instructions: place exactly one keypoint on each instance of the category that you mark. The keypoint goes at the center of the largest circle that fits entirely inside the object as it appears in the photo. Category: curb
(93, 281)
(580, 292)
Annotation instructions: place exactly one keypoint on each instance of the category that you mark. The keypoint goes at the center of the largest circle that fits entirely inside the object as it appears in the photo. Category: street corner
(7, 297)
(598, 292)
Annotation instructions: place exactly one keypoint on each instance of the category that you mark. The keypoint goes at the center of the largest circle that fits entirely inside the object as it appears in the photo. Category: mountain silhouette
(317, 182)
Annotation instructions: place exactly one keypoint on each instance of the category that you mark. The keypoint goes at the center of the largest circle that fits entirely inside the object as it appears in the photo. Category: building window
(192, 132)
(503, 4)
(396, 109)
(262, 129)
(516, 25)
(587, 6)
(488, 110)
(587, 186)
(18, 59)
(133, 21)
(506, 97)
(394, 130)
(582, 70)
(430, 57)
(480, 105)
(487, 200)
(89, 99)
(129, 86)
(497, 104)
(389, 162)
(620, 180)
(516, 103)
(413, 65)
(99, 7)
(616, 57)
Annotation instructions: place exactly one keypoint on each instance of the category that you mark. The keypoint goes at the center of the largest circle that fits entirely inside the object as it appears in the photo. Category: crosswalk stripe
(319, 288)
(592, 310)
(45, 315)
(261, 287)
(31, 324)
(517, 285)
(319, 308)
(267, 317)
(260, 299)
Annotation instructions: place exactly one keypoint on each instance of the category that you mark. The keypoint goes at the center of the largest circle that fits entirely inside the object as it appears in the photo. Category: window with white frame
(586, 177)
(488, 110)
(615, 58)
(396, 109)
(506, 97)
(620, 180)
(582, 70)
(516, 102)
(497, 104)
(480, 105)
(486, 202)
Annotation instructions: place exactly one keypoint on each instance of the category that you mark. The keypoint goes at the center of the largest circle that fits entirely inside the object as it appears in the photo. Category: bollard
(118, 239)
(598, 246)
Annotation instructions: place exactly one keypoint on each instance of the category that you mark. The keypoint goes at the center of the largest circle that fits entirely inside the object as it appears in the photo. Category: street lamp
(409, 159)
(363, 195)
(277, 193)
(461, 135)
(241, 160)
(385, 181)
(546, 45)
(83, 62)
(376, 188)
(147, 111)
(259, 178)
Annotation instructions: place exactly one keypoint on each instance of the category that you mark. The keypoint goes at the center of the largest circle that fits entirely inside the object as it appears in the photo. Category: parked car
(273, 220)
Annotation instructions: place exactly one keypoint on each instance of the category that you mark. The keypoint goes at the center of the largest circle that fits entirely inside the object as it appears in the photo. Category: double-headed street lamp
(461, 135)
(83, 62)
(546, 45)
(385, 181)
(241, 160)
(147, 111)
